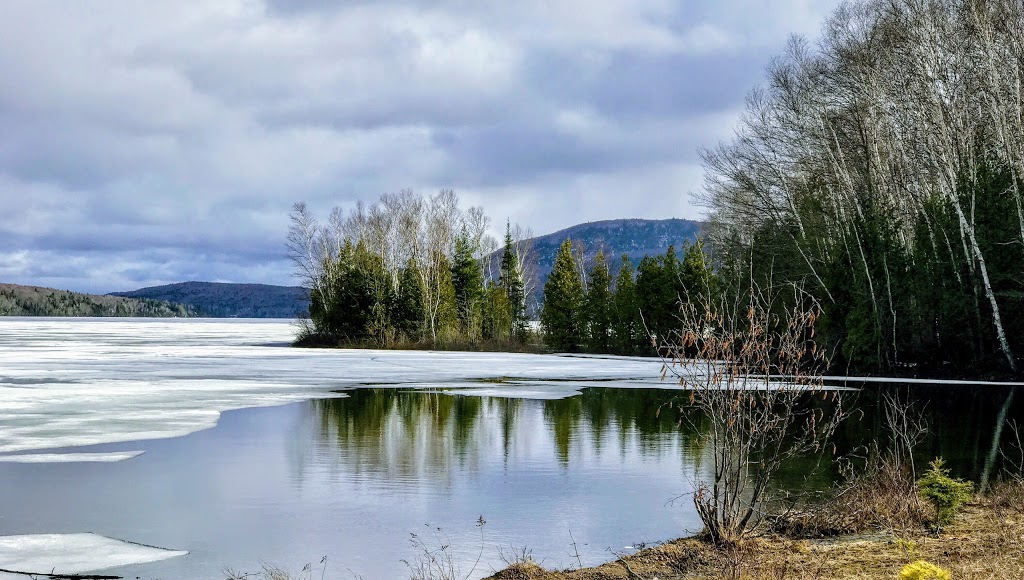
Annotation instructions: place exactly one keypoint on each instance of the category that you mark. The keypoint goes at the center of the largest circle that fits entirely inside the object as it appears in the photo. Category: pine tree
(562, 314)
(626, 328)
(696, 274)
(599, 307)
(380, 292)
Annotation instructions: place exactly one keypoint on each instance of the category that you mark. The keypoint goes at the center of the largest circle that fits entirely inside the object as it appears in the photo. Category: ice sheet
(539, 391)
(70, 457)
(73, 382)
(74, 553)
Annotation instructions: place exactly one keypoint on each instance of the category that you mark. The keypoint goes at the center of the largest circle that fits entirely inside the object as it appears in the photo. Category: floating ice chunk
(71, 457)
(74, 553)
(537, 392)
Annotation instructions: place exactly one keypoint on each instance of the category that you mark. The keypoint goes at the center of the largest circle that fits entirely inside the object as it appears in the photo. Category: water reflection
(414, 436)
(961, 421)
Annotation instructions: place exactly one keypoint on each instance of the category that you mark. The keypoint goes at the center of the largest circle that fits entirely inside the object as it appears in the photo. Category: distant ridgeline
(16, 300)
(220, 300)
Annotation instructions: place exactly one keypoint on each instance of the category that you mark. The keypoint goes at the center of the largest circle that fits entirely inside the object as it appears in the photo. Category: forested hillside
(882, 173)
(16, 300)
(636, 238)
(220, 300)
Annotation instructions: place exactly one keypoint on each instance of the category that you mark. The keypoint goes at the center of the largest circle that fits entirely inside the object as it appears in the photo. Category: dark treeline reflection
(398, 436)
(407, 434)
(960, 419)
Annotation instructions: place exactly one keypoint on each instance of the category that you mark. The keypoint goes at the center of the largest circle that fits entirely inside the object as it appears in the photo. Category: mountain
(634, 237)
(17, 300)
(220, 300)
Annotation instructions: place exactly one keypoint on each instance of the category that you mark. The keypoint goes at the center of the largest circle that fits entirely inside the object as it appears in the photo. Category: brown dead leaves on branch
(754, 373)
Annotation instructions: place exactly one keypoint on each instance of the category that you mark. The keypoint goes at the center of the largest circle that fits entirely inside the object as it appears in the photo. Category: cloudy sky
(151, 142)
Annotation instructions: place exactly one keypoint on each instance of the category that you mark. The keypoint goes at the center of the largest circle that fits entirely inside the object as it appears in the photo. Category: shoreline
(909, 375)
(985, 541)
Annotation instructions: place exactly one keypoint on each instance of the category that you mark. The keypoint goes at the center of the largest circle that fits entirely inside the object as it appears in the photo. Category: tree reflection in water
(412, 435)
(401, 436)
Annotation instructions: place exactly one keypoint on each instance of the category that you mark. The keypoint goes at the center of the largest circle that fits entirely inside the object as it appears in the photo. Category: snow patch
(71, 457)
(537, 392)
(74, 553)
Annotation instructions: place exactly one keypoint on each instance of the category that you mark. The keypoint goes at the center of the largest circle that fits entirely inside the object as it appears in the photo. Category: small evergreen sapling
(948, 495)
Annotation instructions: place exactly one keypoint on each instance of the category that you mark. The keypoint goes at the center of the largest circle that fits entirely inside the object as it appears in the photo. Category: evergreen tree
(626, 328)
(408, 312)
(658, 289)
(342, 310)
(381, 292)
(697, 281)
(512, 282)
(447, 315)
(469, 286)
(599, 307)
(562, 313)
(497, 314)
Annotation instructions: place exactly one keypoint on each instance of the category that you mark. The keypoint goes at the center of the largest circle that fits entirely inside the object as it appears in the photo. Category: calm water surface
(352, 478)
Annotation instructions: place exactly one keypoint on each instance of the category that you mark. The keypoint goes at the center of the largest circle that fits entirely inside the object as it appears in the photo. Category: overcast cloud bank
(157, 142)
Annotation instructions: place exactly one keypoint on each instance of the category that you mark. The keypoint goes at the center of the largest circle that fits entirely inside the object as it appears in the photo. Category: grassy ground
(986, 541)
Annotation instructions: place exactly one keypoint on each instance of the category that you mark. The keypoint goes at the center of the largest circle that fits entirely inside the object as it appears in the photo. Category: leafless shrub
(1013, 455)
(753, 375)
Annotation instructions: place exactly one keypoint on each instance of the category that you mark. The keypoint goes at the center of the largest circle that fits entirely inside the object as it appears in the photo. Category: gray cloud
(157, 142)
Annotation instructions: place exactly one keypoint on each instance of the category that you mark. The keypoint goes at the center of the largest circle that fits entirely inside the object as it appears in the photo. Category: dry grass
(881, 498)
(985, 542)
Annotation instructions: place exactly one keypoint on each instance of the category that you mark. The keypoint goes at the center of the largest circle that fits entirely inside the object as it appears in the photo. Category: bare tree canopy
(885, 168)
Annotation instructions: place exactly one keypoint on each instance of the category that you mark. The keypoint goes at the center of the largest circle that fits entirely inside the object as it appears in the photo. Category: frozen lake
(114, 427)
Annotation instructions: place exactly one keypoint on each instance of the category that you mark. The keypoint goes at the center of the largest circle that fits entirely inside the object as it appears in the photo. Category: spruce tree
(380, 294)
(599, 307)
(658, 291)
(344, 308)
(497, 314)
(696, 276)
(512, 282)
(408, 307)
(447, 315)
(469, 285)
(562, 314)
(626, 328)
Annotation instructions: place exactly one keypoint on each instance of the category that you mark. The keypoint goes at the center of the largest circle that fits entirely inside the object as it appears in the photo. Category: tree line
(881, 173)
(30, 301)
(413, 270)
(631, 312)
(410, 269)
